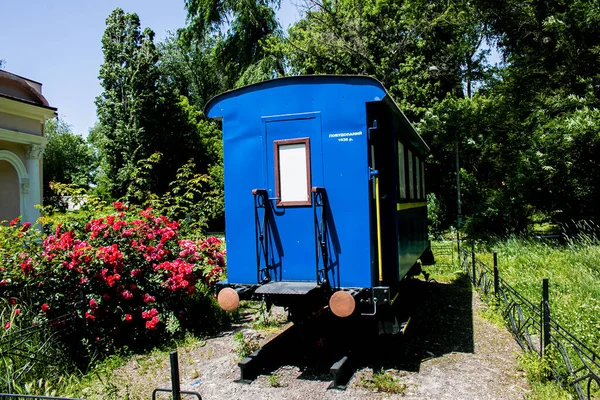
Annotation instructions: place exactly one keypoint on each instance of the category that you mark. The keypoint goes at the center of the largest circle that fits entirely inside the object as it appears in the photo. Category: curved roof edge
(286, 79)
(389, 100)
(23, 84)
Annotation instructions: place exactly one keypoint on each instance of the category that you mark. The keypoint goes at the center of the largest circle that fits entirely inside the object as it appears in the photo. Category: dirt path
(449, 352)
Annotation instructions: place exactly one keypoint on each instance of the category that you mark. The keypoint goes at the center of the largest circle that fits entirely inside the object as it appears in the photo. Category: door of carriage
(293, 165)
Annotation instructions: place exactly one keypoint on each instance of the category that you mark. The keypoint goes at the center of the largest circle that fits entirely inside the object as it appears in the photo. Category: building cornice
(20, 137)
(26, 109)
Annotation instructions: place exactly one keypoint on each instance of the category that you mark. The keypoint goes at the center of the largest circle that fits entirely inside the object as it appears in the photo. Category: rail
(320, 218)
(534, 329)
(261, 224)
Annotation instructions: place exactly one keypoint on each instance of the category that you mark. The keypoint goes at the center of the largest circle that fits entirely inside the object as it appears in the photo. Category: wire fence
(534, 328)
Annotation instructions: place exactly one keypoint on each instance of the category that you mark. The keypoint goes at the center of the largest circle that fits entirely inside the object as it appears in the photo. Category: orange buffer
(229, 300)
(342, 304)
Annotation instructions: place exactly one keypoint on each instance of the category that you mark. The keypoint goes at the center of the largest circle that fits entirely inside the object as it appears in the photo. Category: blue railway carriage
(324, 194)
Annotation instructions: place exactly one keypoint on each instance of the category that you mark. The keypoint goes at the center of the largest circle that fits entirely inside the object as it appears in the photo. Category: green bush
(128, 275)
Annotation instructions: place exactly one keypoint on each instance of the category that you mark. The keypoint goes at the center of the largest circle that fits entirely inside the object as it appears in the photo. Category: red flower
(106, 296)
(111, 280)
(7, 325)
(136, 272)
(93, 304)
(119, 206)
(26, 226)
(152, 323)
(14, 221)
(27, 266)
(148, 298)
(128, 317)
(150, 314)
(12, 300)
(17, 311)
(45, 307)
(127, 295)
(89, 316)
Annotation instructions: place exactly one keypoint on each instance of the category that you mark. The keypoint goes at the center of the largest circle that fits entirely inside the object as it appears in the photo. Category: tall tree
(399, 42)
(552, 88)
(139, 111)
(129, 78)
(235, 31)
(190, 68)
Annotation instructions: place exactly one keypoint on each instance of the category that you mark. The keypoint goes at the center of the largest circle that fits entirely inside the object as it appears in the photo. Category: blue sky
(58, 44)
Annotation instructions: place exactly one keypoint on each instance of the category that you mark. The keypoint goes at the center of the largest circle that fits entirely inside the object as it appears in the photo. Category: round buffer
(228, 299)
(342, 304)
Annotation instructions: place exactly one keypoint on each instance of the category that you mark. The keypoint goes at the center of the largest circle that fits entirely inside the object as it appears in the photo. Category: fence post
(496, 275)
(546, 310)
(458, 245)
(175, 375)
(473, 261)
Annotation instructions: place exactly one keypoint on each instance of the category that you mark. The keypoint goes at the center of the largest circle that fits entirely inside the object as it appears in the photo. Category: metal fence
(534, 328)
(444, 249)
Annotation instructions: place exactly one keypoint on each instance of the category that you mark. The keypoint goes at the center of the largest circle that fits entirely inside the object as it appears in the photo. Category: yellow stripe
(406, 206)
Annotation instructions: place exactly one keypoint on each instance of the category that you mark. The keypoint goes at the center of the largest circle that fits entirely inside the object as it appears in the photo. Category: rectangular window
(423, 177)
(292, 172)
(418, 176)
(401, 172)
(373, 169)
(411, 176)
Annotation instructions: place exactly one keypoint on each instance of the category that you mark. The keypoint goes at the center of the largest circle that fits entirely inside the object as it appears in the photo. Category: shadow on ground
(441, 322)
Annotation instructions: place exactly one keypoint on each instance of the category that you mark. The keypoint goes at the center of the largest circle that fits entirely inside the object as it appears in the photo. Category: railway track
(334, 347)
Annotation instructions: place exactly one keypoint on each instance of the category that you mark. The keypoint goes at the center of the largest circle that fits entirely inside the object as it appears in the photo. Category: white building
(23, 113)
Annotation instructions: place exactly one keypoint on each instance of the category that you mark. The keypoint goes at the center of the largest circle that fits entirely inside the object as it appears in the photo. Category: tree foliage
(68, 158)
(525, 129)
(141, 112)
(236, 31)
(399, 43)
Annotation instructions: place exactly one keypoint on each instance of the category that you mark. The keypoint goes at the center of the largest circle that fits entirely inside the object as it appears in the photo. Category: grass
(539, 374)
(132, 377)
(273, 380)
(245, 345)
(32, 363)
(268, 321)
(573, 269)
(383, 381)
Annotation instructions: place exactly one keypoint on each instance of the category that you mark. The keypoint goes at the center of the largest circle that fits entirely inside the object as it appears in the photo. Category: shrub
(128, 275)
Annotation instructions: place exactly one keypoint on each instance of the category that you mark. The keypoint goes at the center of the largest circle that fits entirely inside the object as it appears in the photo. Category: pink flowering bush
(128, 275)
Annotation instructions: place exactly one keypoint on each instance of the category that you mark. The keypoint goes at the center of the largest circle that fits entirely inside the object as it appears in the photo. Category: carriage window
(292, 172)
(373, 169)
(411, 177)
(401, 172)
(418, 176)
(423, 177)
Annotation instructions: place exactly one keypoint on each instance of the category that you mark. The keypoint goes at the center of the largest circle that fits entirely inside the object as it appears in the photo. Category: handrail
(261, 225)
(320, 220)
